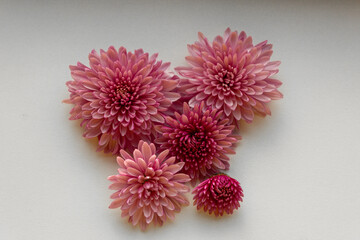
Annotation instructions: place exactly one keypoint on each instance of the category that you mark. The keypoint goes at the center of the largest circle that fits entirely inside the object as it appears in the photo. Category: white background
(299, 168)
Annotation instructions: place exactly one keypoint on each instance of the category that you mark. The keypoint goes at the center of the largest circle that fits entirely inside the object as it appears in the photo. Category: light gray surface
(299, 168)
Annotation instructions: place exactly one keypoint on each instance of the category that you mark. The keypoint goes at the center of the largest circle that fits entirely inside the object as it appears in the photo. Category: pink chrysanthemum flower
(200, 139)
(148, 187)
(218, 194)
(120, 97)
(231, 74)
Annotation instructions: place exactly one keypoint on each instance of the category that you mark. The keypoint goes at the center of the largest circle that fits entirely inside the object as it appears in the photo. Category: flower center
(221, 190)
(226, 79)
(151, 190)
(194, 139)
(122, 92)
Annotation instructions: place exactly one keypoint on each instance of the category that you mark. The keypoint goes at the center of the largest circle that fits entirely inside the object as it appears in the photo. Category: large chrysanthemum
(200, 139)
(218, 194)
(231, 74)
(149, 187)
(120, 96)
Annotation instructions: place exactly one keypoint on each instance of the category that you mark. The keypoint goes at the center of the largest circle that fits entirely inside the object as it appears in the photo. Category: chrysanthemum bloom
(200, 139)
(148, 187)
(218, 194)
(231, 74)
(120, 97)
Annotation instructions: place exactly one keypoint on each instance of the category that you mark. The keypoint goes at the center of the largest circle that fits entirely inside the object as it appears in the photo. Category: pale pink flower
(198, 138)
(231, 74)
(218, 194)
(149, 188)
(120, 97)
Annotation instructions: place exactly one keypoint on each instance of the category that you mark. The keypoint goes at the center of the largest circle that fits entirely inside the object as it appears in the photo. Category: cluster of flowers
(166, 130)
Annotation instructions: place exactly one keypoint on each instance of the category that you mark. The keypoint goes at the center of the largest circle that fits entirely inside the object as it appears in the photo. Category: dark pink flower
(149, 188)
(218, 194)
(231, 74)
(120, 97)
(200, 139)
